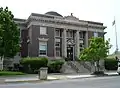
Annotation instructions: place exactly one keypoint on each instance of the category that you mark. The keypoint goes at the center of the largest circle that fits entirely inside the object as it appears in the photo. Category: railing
(86, 66)
(73, 65)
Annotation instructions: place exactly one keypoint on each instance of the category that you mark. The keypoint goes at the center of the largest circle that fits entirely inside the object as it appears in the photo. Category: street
(96, 82)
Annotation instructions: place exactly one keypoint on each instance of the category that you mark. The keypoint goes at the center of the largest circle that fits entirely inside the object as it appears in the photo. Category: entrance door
(70, 53)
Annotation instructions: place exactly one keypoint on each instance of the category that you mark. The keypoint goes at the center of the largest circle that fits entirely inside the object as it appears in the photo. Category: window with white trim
(95, 34)
(43, 30)
(81, 46)
(43, 48)
(57, 52)
(57, 33)
(81, 35)
(57, 47)
(69, 34)
(57, 42)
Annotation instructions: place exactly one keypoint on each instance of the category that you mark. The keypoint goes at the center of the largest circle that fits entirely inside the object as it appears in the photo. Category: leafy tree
(98, 49)
(9, 34)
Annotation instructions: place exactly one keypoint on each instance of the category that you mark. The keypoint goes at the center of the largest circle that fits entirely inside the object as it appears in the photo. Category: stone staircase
(87, 66)
(67, 68)
(76, 67)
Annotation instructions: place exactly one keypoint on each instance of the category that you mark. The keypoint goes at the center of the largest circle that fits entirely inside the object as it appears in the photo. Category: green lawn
(10, 73)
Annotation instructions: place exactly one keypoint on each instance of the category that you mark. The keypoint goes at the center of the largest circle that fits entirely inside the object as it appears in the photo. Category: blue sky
(92, 10)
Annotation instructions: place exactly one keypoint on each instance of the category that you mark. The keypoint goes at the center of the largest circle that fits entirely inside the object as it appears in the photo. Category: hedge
(111, 64)
(31, 65)
(55, 66)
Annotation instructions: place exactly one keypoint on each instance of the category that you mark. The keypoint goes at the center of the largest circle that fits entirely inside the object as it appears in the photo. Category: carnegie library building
(55, 36)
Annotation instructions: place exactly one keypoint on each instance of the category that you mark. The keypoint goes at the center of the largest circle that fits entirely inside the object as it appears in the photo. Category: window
(57, 52)
(81, 46)
(81, 34)
(43, 30)
(70, 34)
(81, 41)
(57, 44)
(57, 40)
(57, 33)
(42, 48)
(67, 33)
(95, 34)
(81, 49)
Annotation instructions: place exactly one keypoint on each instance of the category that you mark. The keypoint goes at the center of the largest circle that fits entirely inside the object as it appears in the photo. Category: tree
(97, 50)
(9, 34)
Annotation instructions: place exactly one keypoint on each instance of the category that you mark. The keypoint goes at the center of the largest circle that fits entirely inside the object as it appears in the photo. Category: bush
(31, 65)
(55, 66)
(111, 64)
(7, 73)
(99, 73)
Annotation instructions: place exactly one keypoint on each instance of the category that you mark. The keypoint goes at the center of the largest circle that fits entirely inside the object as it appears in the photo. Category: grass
(10, 73)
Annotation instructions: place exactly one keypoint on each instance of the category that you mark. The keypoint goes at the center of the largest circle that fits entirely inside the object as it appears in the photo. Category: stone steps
(74, 67)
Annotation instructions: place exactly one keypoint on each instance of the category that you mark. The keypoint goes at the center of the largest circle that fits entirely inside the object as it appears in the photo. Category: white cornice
(64, 22)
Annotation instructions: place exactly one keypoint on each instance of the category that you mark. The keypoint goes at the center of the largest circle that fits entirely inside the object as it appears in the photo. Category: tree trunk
(95, 64)
(98, 67)
(1, 59)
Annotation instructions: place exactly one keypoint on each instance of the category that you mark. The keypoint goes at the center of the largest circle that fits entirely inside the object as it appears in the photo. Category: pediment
(71, 18)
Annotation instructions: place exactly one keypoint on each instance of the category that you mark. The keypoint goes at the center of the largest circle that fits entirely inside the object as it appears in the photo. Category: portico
(71, 43)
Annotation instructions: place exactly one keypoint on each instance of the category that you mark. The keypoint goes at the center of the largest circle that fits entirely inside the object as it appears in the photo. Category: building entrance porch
(70, 53)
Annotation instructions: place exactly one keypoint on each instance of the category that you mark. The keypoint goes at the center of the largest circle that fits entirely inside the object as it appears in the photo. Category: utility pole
(114, 23)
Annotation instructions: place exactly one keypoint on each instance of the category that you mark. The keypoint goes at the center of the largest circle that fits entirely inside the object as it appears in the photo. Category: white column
(64, 44)
(77, 44)
(86, 39)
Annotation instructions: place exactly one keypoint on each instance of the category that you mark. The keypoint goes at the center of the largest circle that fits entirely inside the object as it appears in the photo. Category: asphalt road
(99, 82)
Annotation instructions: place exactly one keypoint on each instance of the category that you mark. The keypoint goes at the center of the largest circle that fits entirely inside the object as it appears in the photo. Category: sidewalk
(51, 77)
(23, 79)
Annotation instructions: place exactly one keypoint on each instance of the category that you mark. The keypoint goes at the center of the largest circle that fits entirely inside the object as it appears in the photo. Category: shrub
(55, 66)
(111, 64)
(6, 73)
(33, 64)
(99, 73)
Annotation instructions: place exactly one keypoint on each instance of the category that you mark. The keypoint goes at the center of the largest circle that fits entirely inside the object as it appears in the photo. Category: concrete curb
(23, 81)
(29, 81)
(37, 80)
(96, 76)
